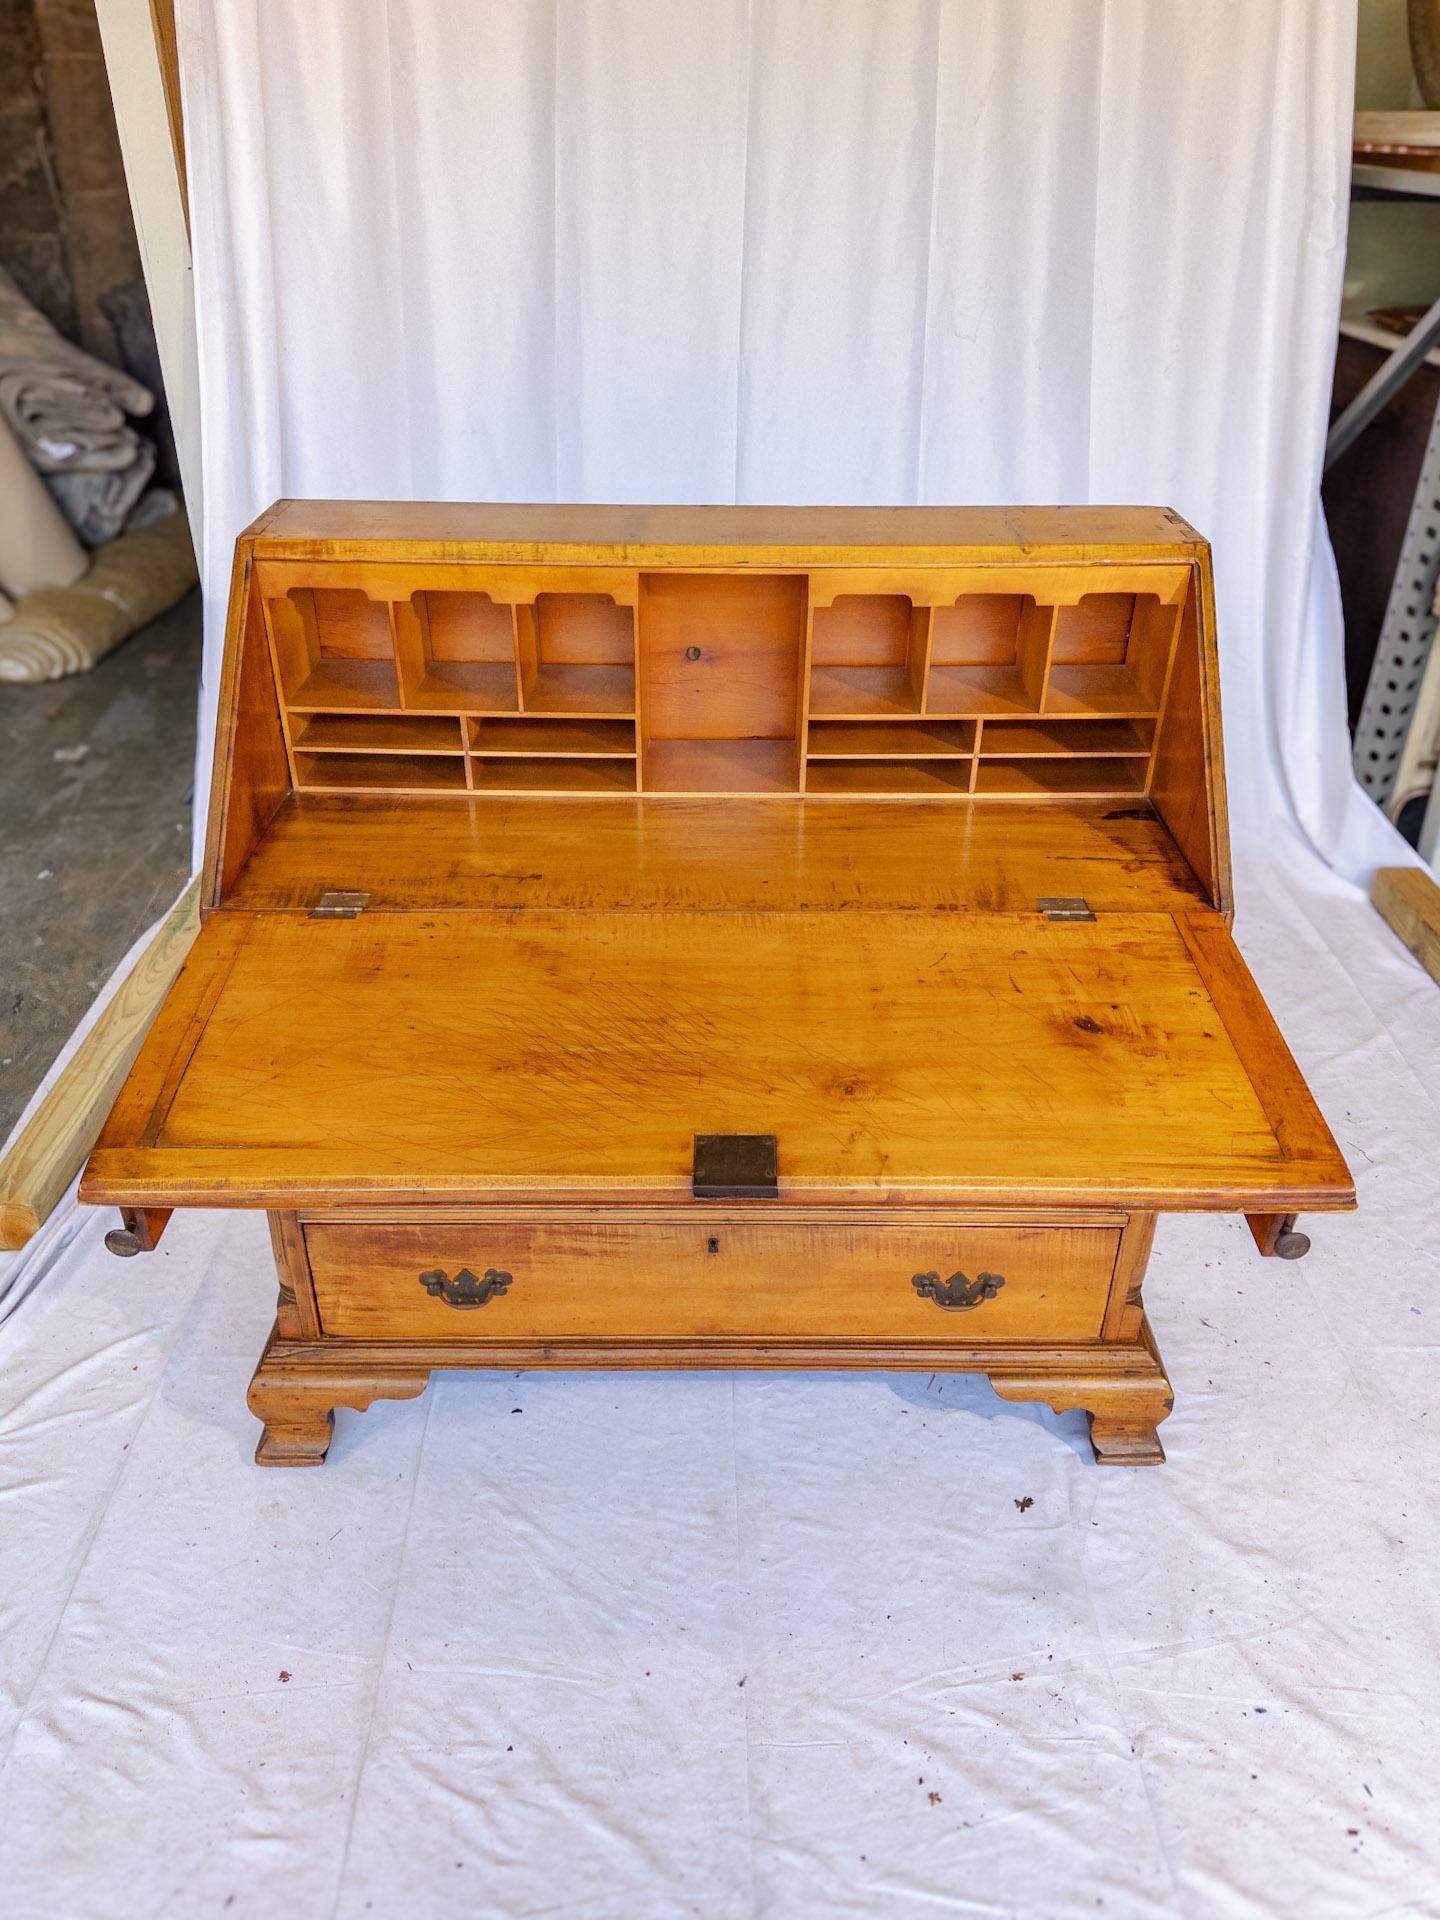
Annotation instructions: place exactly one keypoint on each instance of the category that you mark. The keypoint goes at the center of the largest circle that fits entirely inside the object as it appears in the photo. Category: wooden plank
(720, 656)
(1298, 1125)
(1408, 900)
(162, 20)
(1403, 127)
(49, 1149)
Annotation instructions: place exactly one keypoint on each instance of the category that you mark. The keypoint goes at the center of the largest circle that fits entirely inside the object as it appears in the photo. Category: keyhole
(692, 653)
(712, 1245)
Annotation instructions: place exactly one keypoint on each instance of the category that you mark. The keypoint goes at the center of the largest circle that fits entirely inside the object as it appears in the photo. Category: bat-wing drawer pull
(463, 1289)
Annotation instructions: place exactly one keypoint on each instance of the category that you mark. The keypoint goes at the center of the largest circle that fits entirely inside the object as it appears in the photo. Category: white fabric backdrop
(799, 250)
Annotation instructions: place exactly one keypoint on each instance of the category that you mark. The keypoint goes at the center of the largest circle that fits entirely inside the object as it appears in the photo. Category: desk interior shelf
(333, 650)
(379, 773)
(784, 683)
(456, 651)
(989, 695)
(562, 738)
(867, 656)
(1111, 655)
(577, 655)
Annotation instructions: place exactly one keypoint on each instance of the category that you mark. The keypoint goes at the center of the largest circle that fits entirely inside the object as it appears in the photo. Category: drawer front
(713, 1277)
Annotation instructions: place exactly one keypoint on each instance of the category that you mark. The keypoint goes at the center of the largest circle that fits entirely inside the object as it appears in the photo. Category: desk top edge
(717, 535)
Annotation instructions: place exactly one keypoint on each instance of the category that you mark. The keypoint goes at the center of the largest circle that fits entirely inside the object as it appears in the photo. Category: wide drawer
(711, 1276)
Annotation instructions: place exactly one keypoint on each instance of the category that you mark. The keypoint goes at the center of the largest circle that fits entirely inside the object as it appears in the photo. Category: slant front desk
(719, 937)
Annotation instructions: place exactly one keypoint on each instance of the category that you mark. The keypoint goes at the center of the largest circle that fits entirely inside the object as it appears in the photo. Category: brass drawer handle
(957, 1294)
(465, 1290)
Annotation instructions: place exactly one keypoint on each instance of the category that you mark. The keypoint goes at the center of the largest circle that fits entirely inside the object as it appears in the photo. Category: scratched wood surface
(985, 1057)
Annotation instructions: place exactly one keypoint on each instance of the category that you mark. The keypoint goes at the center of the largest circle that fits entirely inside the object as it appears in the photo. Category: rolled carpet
(37, 548)
(60, 630)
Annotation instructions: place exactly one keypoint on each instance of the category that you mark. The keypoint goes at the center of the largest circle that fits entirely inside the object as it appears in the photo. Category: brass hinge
(1059, 907)
(339, 906)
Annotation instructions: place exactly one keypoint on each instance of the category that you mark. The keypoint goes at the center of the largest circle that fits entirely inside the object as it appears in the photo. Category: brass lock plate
(735, 1166)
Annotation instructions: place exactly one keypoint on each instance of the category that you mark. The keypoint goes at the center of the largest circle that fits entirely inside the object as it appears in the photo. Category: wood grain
(715, 1275)
(1408, 900)
(1125, 1408)
(297, 1402)
(1279, 1085)
(672, 821)
(700, 645)
(966, 1059)
(48, 1151)
(1187, 782)
(298, 1384)
(252, 773)
(720, 656)
(1125, 1309)
(167, 51)
(648, 535)
(747, 856)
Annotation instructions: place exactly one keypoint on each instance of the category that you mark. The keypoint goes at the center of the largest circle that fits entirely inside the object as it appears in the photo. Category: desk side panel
(251, 775)
(1188, 779)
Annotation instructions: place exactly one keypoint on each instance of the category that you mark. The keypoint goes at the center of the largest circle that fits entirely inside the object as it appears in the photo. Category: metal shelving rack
(1397, 737)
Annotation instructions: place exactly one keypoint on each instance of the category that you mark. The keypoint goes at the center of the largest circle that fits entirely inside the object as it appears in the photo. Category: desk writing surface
(572, 1056)
(716, 856)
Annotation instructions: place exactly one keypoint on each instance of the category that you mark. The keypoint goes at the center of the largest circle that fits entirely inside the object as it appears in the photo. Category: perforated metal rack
(1397, 737)
(1395, 744)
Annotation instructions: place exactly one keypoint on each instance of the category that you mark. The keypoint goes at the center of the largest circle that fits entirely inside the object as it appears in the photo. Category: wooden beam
(162, 17)
(1408, 900)
(139, 44)
(1408, 128)
(51, 1146)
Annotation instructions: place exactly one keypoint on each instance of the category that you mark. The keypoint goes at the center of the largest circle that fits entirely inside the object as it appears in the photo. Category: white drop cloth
(628, 1647)
(634, 1647)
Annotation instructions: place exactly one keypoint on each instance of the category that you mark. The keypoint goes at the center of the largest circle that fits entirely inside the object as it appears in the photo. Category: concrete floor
(94, 844)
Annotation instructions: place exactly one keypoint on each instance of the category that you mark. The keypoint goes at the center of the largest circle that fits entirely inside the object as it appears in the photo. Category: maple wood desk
(721, 937)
